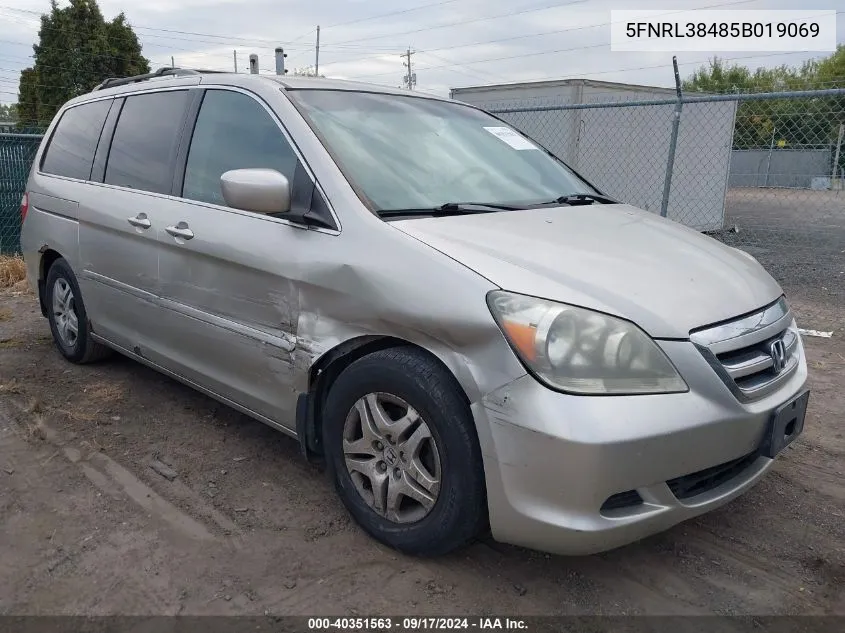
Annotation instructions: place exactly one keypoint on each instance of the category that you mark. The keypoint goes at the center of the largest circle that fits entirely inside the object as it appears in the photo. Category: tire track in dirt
(281, 542)
(826, 481)
(115, 480)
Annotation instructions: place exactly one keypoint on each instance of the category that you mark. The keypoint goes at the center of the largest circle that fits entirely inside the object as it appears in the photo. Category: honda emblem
(777, 350)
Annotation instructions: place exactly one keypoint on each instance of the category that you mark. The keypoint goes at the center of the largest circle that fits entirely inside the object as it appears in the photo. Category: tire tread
(92, 351)
(465, 511)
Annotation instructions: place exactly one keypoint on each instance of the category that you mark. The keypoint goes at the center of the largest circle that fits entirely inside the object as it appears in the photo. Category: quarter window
(145, 141)
(71, 149)
(233, 131)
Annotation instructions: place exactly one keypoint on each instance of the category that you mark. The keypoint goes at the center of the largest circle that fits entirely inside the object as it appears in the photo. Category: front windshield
(415, 153)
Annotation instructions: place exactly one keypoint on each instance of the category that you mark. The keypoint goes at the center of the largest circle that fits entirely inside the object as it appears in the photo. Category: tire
(395, 378)
(66, 310)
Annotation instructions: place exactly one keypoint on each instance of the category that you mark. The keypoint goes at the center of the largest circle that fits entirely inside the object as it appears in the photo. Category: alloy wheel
(64, 313)
(392, 457)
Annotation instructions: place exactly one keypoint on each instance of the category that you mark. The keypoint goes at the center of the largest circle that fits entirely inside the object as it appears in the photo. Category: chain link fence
(762, 172)
(17, 151)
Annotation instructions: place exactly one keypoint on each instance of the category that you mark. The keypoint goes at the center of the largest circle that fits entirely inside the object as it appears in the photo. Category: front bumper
(552, 460)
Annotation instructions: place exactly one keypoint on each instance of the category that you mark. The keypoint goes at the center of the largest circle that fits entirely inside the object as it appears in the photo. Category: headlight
(580, 351)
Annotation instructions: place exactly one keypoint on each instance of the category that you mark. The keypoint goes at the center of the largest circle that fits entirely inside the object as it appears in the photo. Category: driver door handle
(141, 221)
(181, 230)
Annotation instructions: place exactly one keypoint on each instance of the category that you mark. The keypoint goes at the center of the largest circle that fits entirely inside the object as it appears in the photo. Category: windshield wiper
(453, 208)
(575, 199)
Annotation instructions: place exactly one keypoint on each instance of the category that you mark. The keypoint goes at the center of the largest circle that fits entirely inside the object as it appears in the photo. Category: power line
(470, 73)
(244, 40)
(347, 44)
(104, 56)
(224, 39)
(811, 85)
(453, 65)
(537, 53)
(493, 59)
(385, 15)
(325, 46)
(543, 33)
(664, 65)
(546, 7)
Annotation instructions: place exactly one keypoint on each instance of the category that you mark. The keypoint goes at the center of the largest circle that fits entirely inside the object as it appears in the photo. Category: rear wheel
(401, 445)
(67, 316)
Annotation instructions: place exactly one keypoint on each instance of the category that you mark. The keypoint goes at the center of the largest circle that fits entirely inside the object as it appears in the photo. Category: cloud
(457, 42)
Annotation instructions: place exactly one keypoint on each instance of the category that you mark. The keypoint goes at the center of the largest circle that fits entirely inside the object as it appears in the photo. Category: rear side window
(72, 146)
(233, 131)
(145, 141)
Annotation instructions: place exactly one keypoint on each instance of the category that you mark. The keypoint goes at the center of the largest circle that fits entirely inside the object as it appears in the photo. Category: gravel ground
(799, 236)
(243, 526)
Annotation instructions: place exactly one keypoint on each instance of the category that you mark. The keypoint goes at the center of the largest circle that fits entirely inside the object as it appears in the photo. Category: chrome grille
(753, 354)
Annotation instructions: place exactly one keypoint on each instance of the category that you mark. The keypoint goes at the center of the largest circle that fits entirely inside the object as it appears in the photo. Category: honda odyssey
(465, 331)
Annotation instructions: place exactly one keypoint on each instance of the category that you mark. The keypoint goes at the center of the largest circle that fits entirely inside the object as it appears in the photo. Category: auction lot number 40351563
(417, 623)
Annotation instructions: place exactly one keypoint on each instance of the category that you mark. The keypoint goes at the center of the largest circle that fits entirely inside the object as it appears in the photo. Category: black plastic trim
(186, 134)
(101, 154)
(621, 500)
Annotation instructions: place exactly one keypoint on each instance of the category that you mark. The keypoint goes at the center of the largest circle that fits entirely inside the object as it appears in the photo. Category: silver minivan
(466, 332)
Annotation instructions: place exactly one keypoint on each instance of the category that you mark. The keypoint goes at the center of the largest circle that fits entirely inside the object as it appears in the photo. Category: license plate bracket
(787, 423)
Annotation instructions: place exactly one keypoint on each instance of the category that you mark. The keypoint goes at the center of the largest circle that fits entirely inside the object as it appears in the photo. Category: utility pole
(317, 55)
(410, 79)
(172, 62)
(235, 57)
(836, 158)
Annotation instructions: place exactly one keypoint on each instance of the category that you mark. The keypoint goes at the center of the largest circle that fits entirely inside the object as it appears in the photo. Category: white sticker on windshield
(511, 138)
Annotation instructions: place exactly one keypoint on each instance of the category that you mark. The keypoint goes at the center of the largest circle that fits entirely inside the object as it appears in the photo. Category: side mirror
(256, 190)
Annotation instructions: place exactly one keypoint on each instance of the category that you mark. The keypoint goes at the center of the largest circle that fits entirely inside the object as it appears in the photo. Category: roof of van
(286, 82)
(306, 83)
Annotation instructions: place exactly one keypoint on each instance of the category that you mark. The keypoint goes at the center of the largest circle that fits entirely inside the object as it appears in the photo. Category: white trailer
(625, 150)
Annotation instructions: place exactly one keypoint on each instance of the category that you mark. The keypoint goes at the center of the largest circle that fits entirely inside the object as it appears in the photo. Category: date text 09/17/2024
(417, 623)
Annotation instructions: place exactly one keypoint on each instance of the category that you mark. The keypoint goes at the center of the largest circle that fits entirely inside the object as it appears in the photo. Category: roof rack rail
(111, 82)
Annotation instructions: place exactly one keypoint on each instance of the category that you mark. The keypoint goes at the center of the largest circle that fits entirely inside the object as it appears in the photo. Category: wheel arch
(47, 259)
(325, 370)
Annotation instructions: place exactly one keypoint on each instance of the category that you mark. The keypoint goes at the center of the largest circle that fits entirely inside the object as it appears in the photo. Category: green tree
(307, 71)
(8, 112)
(830, 73)
(785, 122)
(28, 98)
(718, 78)
(77, 48)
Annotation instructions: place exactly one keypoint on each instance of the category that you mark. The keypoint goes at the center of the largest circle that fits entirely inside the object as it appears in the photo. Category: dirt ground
(246, 527)
(799, 237)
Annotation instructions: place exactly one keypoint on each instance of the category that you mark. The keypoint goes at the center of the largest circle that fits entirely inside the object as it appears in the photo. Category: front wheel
(401, 445)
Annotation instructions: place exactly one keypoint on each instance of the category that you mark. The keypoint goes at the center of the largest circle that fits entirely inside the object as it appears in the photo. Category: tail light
(24, 206)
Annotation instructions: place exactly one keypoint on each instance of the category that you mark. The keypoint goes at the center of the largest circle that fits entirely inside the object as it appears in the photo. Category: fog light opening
(790, 428)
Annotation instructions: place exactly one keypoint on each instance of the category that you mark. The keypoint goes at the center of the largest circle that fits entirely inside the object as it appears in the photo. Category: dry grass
(13, 386)
(5, 314)
(22, 288)
(96, 399)
(12, 270)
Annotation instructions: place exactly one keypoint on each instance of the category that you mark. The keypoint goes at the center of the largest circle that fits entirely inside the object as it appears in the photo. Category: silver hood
(618, 259)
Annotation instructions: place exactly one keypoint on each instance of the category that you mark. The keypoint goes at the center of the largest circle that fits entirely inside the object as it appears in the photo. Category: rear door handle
(180, 230)
(141, 221)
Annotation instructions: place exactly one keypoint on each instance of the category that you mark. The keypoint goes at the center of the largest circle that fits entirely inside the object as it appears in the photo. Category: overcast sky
(457, 42)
